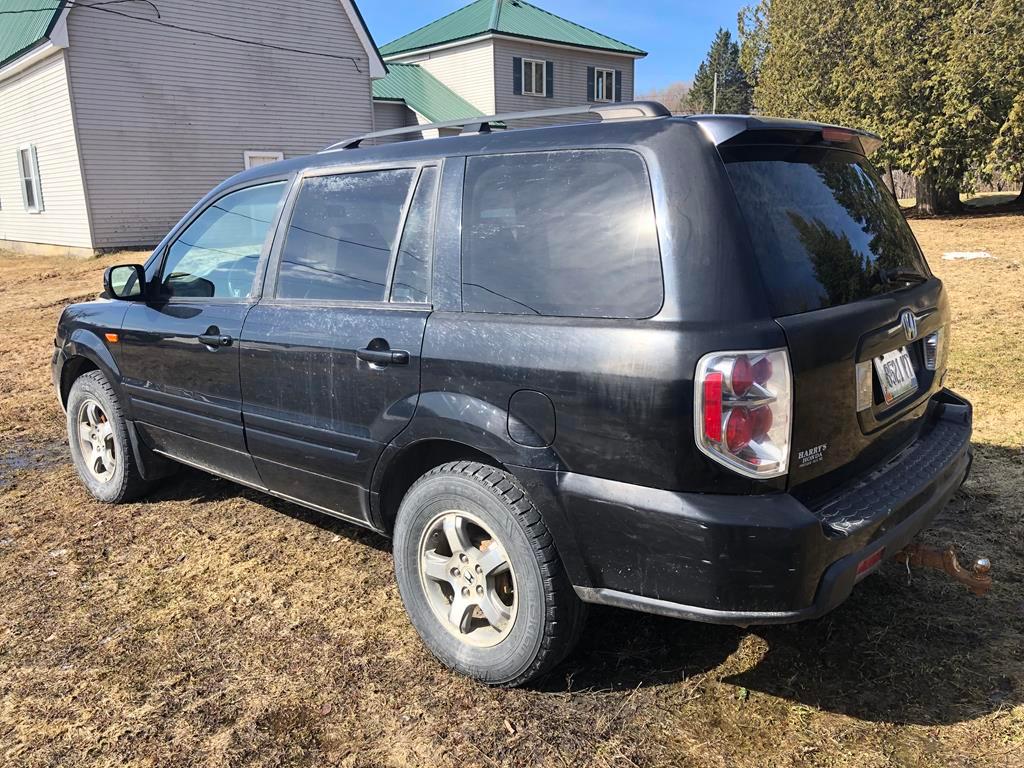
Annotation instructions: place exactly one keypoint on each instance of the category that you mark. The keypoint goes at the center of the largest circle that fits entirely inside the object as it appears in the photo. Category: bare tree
(673, 96)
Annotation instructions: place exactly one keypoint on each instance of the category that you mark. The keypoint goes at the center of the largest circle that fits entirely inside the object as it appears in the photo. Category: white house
(495, 56)
(115, 119)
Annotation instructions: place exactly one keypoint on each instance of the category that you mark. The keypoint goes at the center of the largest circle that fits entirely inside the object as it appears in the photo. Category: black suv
(692, 366)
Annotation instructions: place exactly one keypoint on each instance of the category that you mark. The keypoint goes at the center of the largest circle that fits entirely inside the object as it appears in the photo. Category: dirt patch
(211, 625)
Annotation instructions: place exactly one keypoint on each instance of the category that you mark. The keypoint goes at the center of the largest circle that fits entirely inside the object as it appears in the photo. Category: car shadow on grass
(913, 649)
(927, 653)
(194, 485)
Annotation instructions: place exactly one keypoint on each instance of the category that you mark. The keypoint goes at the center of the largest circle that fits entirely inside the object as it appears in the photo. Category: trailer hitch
(978, 578)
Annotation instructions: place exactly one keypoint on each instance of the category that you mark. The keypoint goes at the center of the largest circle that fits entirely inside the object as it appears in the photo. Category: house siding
(468, 70)
(388, 115)
(35, 108)
(570, 77)
(163, 115)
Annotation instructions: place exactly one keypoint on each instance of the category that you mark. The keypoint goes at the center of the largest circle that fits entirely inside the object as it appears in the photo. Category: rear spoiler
(736, 130)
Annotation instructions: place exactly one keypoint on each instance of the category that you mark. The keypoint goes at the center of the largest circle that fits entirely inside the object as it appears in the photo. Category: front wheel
(100, 446)
(480, 578)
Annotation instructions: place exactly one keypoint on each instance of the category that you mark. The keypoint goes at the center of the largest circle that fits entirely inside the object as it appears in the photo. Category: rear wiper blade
(899, 274)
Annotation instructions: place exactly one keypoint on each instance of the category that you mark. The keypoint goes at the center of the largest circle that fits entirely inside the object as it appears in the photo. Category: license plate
(896, 374)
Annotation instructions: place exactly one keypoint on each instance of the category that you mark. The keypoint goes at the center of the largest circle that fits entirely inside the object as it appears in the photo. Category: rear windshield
(824, 228)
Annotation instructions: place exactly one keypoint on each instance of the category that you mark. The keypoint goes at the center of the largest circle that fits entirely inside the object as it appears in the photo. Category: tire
(112, 477)
(538, 616)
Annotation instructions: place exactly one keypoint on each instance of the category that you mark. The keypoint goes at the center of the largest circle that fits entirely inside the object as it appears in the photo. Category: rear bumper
(751, 559)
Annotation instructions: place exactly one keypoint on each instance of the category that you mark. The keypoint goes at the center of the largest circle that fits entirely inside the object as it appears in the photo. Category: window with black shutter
(534, 78)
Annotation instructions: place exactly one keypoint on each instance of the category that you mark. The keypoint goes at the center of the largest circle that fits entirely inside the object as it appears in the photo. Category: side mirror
(125, 281)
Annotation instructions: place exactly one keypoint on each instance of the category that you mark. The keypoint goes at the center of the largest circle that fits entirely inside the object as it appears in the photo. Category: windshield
(824, 228)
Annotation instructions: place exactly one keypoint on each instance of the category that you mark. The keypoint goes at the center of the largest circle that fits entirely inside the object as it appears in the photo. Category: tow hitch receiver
(978, 579)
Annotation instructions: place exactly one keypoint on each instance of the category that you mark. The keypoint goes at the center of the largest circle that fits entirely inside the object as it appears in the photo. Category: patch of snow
(967, 255)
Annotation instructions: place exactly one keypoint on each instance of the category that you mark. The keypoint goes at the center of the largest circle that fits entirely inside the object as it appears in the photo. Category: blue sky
(675, 33)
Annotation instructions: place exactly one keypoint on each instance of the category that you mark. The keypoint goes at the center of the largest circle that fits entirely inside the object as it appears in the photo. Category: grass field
(976, 200)
(212, 626)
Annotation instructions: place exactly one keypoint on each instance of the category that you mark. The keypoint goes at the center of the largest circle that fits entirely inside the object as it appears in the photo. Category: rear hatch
(848, 284)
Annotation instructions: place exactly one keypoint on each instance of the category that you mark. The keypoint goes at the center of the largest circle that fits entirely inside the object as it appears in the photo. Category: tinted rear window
(824, 228)
(568, 234)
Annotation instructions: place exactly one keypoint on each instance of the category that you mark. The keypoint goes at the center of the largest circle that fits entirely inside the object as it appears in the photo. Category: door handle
(215, 339)
(383, 356)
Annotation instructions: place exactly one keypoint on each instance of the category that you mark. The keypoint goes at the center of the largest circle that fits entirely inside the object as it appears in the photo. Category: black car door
(330, 356)
(179, 358)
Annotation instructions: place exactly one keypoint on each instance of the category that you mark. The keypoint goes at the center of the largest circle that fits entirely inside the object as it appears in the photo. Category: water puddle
(20, 455)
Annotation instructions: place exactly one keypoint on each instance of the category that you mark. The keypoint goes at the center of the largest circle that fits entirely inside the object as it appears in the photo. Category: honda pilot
(685, 365)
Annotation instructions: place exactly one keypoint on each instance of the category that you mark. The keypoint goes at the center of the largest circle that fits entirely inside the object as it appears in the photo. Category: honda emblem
(909, 323)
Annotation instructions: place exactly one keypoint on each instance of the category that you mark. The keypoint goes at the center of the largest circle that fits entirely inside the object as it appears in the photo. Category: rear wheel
(480, 578)
(98, 437)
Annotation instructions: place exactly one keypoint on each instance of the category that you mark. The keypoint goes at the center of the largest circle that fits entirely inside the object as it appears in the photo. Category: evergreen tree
(735, 94)
(937, 79)
(1005, 69)
(752, 28)
(1007, 153)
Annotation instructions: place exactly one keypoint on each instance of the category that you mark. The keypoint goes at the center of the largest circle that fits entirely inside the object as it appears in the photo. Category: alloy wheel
(468, 579)
(96, 440)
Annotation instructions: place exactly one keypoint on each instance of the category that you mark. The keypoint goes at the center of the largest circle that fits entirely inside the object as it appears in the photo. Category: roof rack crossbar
(632, 110)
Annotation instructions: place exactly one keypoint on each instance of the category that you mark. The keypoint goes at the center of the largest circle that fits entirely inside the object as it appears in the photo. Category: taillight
(743, 410)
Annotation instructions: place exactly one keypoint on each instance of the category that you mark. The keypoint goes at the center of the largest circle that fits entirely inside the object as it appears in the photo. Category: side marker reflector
(869, 563)
(113, 338)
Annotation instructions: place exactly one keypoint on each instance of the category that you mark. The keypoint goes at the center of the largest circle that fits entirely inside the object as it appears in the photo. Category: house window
(254, 157)
(604, 85)
(533, 78)
(28, 170)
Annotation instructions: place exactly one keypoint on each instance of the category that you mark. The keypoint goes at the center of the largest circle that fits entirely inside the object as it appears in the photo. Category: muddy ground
(210, 625)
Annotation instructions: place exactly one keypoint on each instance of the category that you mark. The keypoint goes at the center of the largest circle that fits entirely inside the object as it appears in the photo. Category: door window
(412, 266)
(342, 234)
(568, 233)
(217, 254)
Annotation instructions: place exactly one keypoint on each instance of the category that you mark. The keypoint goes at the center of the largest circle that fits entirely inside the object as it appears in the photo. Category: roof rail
(631, 110)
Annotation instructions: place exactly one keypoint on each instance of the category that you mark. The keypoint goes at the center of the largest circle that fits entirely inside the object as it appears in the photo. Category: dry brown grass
(213, 626)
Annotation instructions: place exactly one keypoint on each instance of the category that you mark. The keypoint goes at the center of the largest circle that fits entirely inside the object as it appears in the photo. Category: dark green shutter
(22, 173)
(549, 79)
(618, 85)
(517, 76)
(38, 179)
(590, 83)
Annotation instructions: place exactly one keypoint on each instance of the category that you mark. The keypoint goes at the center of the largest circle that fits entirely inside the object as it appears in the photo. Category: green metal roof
(422, 92)
(507, 17)
(23, 24)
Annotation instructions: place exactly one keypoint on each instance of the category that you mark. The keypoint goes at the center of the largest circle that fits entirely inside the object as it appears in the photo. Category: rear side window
(823, 227)
(568, 234)
(341, 235)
